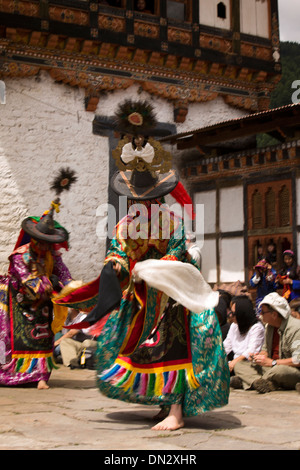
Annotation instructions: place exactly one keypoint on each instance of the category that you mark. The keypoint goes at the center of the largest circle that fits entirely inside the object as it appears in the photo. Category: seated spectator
(264, 280)
(246, 334)
(289, 276)
(74, 316)
(278, 364)
(73, 341)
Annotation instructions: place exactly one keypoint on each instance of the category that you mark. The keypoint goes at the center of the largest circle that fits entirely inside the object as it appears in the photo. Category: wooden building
(250, 194)
(185, 51)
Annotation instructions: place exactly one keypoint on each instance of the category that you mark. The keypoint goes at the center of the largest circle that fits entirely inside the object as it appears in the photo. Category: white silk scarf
(183, 282)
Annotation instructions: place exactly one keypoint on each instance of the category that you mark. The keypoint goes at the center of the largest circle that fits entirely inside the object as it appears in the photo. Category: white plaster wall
(43, 127)
(208, 199)
(208, 113)
(232, 260)
(208, 14)
(209, 261)
(255, 17)
(231, 209)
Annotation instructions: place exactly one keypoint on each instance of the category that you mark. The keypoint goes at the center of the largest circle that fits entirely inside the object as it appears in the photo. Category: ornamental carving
(89, 80)
(14, 69)
(275, 31)
(200, 93)
(179, 35)
(99, 66)
(248, 103)
(20, 7)
(208, 41)
(147, 30)
(67, 15)
(250, 50)
(111, 23)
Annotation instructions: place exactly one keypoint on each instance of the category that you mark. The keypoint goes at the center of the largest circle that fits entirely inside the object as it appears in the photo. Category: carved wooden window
(270, 220)
(284, 207)
(270, 205)
(270, 208)
(257, 210)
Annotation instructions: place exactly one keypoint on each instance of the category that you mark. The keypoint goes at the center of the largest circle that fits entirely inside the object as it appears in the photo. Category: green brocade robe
(152, 350)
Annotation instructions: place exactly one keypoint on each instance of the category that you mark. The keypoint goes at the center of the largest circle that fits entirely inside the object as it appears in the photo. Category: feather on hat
(45, 228)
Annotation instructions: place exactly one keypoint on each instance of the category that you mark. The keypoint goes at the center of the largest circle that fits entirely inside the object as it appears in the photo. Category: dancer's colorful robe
(151, 350)
(26, 336)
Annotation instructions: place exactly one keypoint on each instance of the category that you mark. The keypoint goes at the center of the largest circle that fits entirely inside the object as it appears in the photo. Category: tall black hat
(145, 169)
(46, 228)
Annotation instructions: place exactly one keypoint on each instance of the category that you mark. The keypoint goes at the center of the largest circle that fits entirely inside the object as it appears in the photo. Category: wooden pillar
(94, 29)
(236, 26)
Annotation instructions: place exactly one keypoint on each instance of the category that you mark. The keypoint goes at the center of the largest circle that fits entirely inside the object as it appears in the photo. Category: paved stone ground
(73, 415)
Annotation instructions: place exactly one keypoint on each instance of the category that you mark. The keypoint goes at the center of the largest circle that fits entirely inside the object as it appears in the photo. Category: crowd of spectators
(261, 335)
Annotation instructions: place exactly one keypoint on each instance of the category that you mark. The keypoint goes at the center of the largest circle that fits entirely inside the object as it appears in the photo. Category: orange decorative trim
(112, 23)
(194, 80)
(68, 15)
(147, 30)
(89, 80)
(22, 7)
(179, 35)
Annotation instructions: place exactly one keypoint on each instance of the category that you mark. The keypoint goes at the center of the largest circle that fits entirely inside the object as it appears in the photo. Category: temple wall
(44, 127)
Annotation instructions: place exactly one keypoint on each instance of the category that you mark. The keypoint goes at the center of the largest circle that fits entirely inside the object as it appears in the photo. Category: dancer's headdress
(144, 173)
(46, 228)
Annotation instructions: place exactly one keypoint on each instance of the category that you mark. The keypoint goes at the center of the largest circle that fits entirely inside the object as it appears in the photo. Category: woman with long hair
(245, 336)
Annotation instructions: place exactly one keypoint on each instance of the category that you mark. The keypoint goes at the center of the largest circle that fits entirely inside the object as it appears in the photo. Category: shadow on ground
(210, 421)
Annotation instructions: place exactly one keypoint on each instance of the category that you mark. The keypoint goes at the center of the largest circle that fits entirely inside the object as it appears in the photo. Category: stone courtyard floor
(73, 415)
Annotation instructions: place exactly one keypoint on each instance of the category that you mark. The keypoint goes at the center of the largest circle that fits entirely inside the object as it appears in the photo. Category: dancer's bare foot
(42, 385)
(172, 422)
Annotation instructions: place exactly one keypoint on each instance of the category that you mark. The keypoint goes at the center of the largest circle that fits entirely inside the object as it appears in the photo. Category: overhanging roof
(278, 122)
